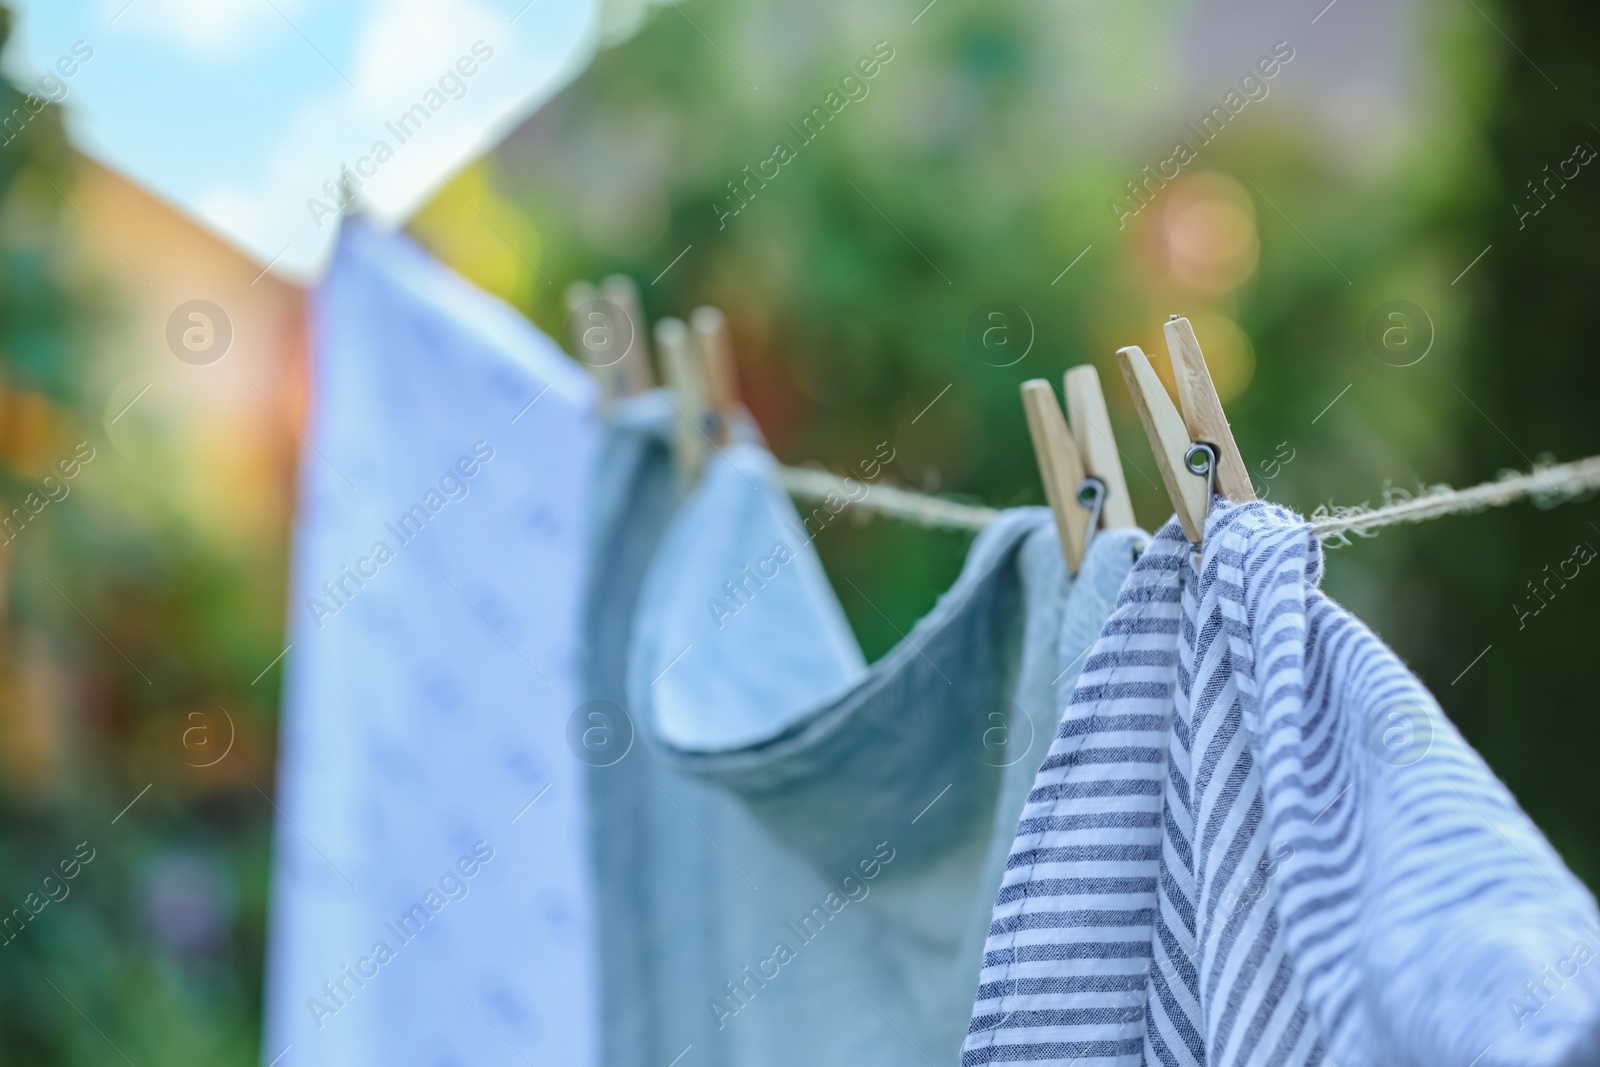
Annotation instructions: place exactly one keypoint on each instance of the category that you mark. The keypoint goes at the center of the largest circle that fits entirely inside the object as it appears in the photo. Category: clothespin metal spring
(1091, 496)
(1201, 461)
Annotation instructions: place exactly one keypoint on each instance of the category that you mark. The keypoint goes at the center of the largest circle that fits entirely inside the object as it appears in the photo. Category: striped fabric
(1256, 840)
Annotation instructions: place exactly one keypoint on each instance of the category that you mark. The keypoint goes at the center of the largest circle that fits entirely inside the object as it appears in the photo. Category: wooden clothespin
(714, 342)
(694, 428)
(1091, 430)
(576, 296)
(608, 336)
(697, 361)
(1080, 468)
(1195, 452)
(621, 292)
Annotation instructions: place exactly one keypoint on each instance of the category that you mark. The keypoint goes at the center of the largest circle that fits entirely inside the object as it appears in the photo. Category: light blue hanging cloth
(431, 902)
(798, 854)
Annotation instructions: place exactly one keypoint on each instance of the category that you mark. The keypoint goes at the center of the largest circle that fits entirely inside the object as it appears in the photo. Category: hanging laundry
(1257, 840)
(431, 897)
(797, 855)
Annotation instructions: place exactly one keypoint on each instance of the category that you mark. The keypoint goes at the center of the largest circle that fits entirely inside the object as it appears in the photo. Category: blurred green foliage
(118, 620)
(1527, 386)
(972, 170)
(35, 310)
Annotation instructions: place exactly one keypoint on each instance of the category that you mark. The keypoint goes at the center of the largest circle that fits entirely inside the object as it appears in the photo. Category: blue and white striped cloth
(1256, 840)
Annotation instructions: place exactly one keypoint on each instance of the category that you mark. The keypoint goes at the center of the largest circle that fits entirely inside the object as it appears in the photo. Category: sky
(242, 113)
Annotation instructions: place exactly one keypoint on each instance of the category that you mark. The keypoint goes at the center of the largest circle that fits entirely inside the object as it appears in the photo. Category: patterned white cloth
(1256, 840)
(431, 900)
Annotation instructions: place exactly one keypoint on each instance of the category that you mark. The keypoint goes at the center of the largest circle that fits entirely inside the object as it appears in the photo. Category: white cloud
(403, 52)
(214, 29)
(241, 145)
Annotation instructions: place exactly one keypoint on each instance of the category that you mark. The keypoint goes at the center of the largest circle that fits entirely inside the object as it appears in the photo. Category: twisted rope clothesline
(1547, 485)
(937, 512)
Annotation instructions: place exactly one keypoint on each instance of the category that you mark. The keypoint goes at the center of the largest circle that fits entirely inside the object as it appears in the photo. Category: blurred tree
(977, 164)
(1501, 585)
(116, 624)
